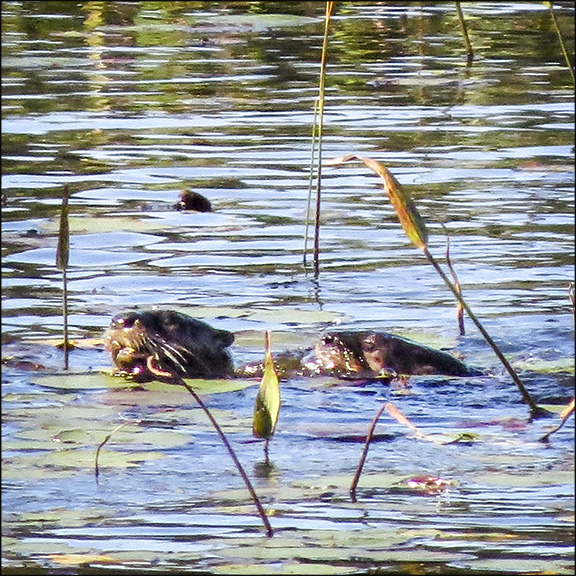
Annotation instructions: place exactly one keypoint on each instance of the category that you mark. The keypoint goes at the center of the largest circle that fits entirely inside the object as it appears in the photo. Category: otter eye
(368, 344)
(328, 340)
(123, 320)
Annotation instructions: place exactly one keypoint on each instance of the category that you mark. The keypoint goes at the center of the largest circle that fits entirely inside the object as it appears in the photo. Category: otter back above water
(190, 348)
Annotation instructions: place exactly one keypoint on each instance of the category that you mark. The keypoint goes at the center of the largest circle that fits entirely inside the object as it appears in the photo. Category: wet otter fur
(190, 348)
(369, 354)
(175, 342)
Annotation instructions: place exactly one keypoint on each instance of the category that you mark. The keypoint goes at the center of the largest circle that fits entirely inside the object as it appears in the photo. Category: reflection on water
(127, 104)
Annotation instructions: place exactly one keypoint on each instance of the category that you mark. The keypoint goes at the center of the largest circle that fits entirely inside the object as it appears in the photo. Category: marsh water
(127, 104)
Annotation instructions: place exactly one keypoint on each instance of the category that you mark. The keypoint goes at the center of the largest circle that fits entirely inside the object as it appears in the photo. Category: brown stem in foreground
(269, 532)
(96, 467)
(62, 257)
(365, 453)
(174, 379)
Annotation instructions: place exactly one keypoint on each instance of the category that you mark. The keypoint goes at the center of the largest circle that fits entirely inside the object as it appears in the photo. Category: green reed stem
(313, 164)
(562, 43)
(534, 408)
(469, 50)
(329, 8)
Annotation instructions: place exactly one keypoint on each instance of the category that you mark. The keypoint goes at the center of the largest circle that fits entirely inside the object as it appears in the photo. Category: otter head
(368, 354)
(174, 342)
(354, 355)
(338, 353)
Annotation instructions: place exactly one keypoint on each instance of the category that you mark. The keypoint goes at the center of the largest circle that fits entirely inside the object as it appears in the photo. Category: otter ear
(227, 338)
(124, 320)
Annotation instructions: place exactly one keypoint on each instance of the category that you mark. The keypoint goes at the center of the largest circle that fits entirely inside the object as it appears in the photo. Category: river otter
(190, 200)
(180, 344)
(174, 342)
(368, 354)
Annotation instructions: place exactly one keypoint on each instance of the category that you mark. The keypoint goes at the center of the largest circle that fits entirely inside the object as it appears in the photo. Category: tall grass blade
(322, 83)
(62, 257)
(313, 165)
(562, 43)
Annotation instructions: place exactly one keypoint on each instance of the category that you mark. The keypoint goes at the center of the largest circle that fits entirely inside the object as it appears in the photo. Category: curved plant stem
(96, 467)
(459, 308)
(261, 511)
(534, 408)
(568, 410)
(365, 453)
(416, 230)
(174, 379)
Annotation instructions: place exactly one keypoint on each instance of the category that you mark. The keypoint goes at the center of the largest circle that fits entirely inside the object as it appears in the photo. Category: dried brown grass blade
(565, 414)
(405, 208)
(398, 416)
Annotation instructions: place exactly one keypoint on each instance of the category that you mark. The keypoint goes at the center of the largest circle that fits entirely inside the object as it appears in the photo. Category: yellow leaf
(267, 405)
(400, 199)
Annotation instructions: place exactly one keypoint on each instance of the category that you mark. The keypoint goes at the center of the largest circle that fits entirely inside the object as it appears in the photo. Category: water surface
(127, 104)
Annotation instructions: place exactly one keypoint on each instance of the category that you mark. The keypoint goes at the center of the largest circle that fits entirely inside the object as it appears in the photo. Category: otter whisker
(177, 354)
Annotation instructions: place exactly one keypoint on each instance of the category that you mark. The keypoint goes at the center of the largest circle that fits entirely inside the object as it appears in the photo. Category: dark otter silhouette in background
(190, 200)
(190, 348)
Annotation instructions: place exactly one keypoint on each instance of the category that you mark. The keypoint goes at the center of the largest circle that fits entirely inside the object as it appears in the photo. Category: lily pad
(102, 224)
(259, 21)
(103, 380)
(546, 366)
